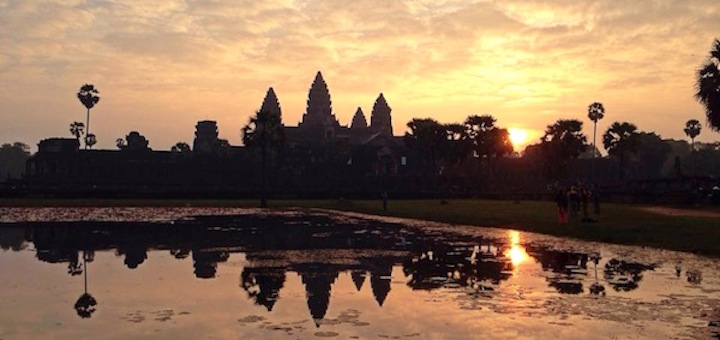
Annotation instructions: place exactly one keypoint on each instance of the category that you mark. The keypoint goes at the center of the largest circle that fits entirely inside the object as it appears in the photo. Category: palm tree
(620, 140)
(76, 129)
(596, 111)
(265, 132)
(85, 304)
(88, 97)
(692, 130)
(708, 86)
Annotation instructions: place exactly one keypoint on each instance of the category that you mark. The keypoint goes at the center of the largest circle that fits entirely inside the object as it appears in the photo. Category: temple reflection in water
(318, 248)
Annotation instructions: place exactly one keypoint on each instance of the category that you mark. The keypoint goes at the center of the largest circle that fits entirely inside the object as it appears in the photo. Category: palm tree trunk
(592, 175)
(87, 127)
(85, 270)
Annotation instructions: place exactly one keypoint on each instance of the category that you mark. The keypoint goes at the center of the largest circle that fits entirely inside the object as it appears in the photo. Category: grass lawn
(618, 223)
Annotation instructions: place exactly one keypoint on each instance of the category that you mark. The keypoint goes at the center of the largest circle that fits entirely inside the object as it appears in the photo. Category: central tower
(319, 107)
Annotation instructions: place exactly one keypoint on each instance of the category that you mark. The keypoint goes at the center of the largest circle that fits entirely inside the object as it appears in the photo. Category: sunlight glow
(516, 253)
(518, 136)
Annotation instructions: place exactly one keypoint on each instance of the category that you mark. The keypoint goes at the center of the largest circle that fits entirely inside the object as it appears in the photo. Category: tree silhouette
(652, 154)
(596, 111)
(708, 86)
(488, 141)
(181, 147)
(88, 97)
(427, 137)
(621, 140)
(77, 129)
(136, 142)
(85, 304)
(457, 145)
(562, 142)
(121, 144)
(264, 132)
(692, 130)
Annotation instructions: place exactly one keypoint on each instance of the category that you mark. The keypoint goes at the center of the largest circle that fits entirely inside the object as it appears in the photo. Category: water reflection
(516, 253)
(318, 249)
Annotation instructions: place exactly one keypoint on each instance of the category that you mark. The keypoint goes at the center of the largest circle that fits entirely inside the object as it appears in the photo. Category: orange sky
(161, 68)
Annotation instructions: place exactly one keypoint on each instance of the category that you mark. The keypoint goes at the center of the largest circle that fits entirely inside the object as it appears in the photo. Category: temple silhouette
(319, 156)
(275, 245)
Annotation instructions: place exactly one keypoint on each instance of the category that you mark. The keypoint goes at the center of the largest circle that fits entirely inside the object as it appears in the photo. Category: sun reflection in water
(516, 253)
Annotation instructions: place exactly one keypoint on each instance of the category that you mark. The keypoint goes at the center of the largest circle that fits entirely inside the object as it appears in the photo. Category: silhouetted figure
(384, 196)
(574, 200)
(561, 200)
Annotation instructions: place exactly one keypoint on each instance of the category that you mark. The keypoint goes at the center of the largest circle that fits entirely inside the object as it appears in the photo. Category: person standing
(574, 199)
(561, 199)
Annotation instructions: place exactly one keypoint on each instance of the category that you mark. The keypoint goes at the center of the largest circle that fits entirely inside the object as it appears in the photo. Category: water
(121, 273)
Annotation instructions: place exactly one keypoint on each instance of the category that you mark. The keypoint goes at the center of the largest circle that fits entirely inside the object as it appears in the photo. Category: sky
(161, 66)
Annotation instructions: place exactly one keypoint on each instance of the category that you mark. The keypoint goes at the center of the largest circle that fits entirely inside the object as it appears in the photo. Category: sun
(518, 136)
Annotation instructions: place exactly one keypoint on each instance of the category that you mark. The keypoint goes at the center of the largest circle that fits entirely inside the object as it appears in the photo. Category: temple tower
(206, 137)
(358, 121)
(380, 119)
(271, 103)
(319, 106)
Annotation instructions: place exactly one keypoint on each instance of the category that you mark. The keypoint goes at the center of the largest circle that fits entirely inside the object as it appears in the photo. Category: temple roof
(380, 119)
(358, 121)
(319, 105)
(271, 103)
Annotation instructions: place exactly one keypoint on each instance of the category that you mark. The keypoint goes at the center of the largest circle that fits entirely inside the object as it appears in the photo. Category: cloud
(177, 61)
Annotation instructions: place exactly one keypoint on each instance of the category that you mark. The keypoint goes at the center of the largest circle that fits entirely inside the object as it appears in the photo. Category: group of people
(570, 201)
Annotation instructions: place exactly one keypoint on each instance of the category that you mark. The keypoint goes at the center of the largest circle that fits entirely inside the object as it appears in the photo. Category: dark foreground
(229, 273)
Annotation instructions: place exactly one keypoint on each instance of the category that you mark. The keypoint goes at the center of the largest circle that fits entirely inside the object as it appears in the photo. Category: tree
(457, 144)
(134, 141)
(427, 137)
(562, 142)
(621, 140)
(77, 129)
(708, 86)
(652, 153)
(265, 133)
(12, 160)
(181, 147)
(596, 111)
(88, 97)
(692, 130)
(85, 304)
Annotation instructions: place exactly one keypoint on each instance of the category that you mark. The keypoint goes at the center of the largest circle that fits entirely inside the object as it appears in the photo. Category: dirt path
(681, 212)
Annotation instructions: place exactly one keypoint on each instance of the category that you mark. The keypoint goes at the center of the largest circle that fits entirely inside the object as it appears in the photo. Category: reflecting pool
(189, 273)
